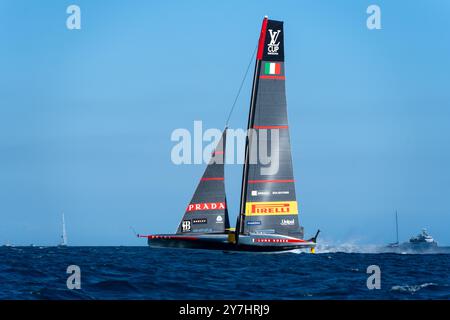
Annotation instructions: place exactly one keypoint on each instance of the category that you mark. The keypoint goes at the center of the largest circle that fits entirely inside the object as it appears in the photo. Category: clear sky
(86, 115)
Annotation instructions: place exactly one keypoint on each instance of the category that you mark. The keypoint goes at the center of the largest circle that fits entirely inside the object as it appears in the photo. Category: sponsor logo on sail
(219, 219)
(271, 208)
(272, 68)
(253, 223)
(206, 206)
(287, 222)
(273, 46)
(280, 192)
(256, 193)
(203, 230)
(186, 226)
(200, 221)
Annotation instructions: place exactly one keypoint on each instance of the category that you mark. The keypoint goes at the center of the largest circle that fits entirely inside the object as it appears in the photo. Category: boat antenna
(240, 87)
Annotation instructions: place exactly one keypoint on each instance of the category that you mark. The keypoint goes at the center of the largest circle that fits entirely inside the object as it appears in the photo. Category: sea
(148, 273)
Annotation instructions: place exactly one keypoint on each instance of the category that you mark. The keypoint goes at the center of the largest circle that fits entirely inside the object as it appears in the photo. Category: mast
(64, 234)
(250, 122)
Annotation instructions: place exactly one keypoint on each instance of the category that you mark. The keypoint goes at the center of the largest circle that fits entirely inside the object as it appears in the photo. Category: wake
(325, 246)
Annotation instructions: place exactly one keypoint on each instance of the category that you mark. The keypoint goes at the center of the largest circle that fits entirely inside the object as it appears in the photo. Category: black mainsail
(207, 212)
(268, 201)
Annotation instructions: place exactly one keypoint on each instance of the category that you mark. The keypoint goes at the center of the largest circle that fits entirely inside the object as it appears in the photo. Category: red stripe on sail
(271, 181)
(211, 179)
(273, 77)
(270, 127)
(262, 38)
(217, 152)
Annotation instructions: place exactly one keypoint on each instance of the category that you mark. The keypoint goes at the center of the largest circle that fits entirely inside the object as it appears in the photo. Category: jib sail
(268, 201)
(207, 212)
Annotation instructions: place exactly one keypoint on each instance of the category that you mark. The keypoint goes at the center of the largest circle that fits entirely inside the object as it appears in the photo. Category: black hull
(220, 242)
(189, 244)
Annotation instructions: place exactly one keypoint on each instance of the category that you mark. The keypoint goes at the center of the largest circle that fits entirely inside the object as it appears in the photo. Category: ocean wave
(144, 273)
(115, 285)
(413, 288)
(353, 246)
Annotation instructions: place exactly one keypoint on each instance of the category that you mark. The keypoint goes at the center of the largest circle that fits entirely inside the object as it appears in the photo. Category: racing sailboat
(268, 217)
(63, 242)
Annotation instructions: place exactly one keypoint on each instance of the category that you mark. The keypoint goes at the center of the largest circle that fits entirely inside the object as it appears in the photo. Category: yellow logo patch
(271, 208)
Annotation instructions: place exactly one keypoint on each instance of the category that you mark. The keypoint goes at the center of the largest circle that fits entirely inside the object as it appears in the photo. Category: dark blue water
(145, 273)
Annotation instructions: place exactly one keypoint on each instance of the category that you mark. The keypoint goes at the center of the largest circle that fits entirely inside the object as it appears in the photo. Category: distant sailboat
(396, 243)
(268, 218)
(64, 234)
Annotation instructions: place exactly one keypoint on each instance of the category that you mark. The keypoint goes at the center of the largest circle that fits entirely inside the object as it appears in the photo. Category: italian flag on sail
(272, 68)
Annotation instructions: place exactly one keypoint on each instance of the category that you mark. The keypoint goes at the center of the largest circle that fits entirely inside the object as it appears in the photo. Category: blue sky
(86, 115)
